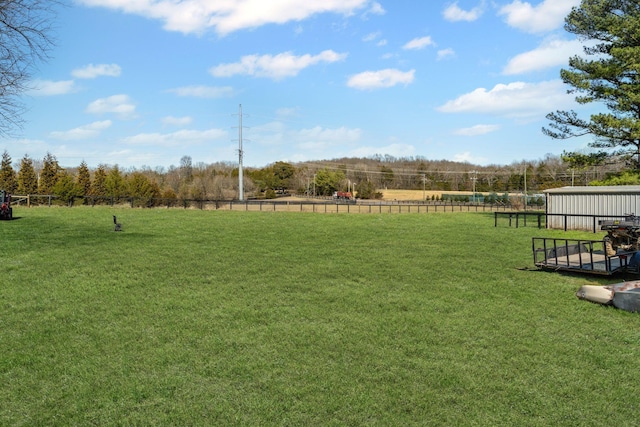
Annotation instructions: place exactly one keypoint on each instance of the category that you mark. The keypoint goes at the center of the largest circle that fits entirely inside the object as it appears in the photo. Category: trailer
(618, 251)
(584, 256)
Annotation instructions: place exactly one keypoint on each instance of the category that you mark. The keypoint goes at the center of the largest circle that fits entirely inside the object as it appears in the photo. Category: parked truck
(342, 195)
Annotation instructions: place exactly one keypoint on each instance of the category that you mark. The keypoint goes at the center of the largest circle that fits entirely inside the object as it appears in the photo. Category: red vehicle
(342, 195)
(5, 205)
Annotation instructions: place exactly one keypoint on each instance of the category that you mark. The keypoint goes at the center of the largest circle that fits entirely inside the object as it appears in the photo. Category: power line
(418, 173)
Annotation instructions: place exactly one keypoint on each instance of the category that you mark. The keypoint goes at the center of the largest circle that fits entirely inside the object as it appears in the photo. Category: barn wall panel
(589, 203)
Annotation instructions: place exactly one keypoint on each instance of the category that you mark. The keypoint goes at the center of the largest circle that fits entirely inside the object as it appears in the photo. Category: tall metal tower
(240, 154)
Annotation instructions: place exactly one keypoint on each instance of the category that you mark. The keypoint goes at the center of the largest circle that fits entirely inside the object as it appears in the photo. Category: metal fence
(274, 205)
(541, 220)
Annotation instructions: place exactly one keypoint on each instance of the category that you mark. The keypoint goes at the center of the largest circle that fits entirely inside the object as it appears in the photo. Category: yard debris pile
(624, 295)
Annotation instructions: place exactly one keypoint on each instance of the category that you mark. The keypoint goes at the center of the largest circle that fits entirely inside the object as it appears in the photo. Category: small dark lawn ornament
(118, 226)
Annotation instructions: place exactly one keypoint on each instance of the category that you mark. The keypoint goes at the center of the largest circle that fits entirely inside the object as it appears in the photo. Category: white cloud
(551, 53)
(116, 104)
(518, 99)
(92, 71)
(224, 17)
(275, 66)
(546, 16)
(476, 130)
(454, 14)
(380, 79)
(319, 137)
(30, 146)
(315, 141)
(419, 43)
(176, 121)
(446, 53)
(287, 112)
(376, 9)
(175, 139)
(83, 132)
(371, 37)
(203, 91)
(395, 150)
(467, 157)
(51, 88)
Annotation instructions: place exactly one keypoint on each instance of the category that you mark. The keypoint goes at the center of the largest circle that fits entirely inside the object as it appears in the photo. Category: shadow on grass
(600, 278)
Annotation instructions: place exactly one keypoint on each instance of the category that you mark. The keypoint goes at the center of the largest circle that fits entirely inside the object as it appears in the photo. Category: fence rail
(275, 205)
(542, 219)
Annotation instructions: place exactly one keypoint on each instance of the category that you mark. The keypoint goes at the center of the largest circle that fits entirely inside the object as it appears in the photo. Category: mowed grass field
(258, 318)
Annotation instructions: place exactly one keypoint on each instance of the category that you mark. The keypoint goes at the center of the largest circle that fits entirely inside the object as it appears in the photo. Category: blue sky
(145, 82)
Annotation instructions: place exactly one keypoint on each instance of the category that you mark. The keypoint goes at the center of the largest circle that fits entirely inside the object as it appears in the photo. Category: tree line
(365, 177)
(607, 73)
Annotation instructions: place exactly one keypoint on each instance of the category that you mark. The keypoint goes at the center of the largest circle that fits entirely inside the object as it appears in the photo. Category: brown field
(405, 195)
(416, 194)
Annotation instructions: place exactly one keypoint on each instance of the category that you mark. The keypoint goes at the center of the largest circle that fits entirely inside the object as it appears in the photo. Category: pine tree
(49, 175)
(67, 189)
(608, 73)
(83, 180)
(8, 180)
(27, 179)
(98, 188)
(115, 184)
(143, 188)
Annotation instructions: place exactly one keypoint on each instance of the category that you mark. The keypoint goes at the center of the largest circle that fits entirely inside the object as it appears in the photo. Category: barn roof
(606, 189)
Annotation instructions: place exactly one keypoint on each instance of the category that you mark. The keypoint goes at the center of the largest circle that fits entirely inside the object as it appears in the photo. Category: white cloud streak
(89, 131)
(275, 66)
(176, 121)
(476, 130)
(546, 16)
(319, 137)
(371, 37)
(389, 77)
(418, 43)
(467, 157)
(550, 53)
(120, 105)
(175, 139)
(203, 91)
(226, 16)
(376, 9)
(395, 150)
(52, 88)
(518, 100)
(92, 71)
(446, 53)
(453, 13)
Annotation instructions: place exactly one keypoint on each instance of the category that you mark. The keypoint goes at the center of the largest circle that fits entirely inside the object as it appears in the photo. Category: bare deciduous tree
(25, 40)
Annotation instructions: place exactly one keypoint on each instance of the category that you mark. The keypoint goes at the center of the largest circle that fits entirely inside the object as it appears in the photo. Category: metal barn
(567, 205)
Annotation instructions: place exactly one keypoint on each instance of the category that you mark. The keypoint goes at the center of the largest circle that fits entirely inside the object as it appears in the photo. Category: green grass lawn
(252, 318)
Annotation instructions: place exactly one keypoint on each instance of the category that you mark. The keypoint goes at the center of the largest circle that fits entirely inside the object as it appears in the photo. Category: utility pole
(240, 155)
(525, 187)
(473, 180)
